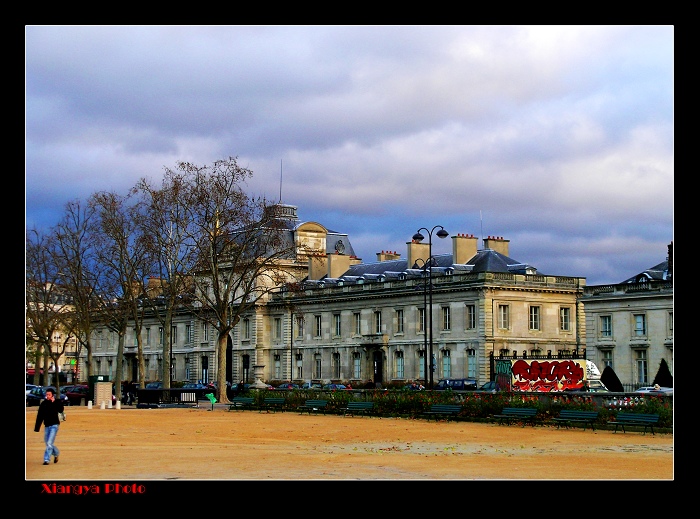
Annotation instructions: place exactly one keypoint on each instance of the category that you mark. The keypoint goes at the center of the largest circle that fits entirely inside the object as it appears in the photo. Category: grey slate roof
(486, 260)
(656, 273)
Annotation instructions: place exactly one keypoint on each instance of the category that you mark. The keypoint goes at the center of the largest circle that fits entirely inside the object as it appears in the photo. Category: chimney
(318, 266)
(338, 264)
(464, 248)
(388, 255)
(417, 251)
(498, 244)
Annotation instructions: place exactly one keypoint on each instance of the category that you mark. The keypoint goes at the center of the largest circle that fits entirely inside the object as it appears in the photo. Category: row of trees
(197, 241)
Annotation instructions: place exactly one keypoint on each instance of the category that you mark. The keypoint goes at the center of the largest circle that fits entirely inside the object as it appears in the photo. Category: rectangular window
(300, 365)
(670, 324)
(336, 365)
(317, 366)
(421, 365)
(278, 367)
(245, 331)
(565, 319)
(640, 325)
(642, 376)
(277, 328)
(471, 317)
(503, 317)
(173, 334)
(336, 324)
(607, 359)
(189, 334)
(318, 328)
(446, 325)
(377, 322)
(160, 335)
(358, 323)
(300, 327)
(471, 363)
(606, 326)
(534, 318)
(205, 332)
(399, 321)
(446, 364)
(398, 359)
(421, 320)
(356, 365)
(148, 336)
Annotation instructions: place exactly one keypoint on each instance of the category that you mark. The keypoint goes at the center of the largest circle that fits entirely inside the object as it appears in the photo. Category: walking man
(48, 415)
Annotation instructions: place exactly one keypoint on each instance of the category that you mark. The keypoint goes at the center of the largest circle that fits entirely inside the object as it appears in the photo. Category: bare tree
(122, 250)
(240, 251)
(80, 272)
(163, 218)
(47, 304)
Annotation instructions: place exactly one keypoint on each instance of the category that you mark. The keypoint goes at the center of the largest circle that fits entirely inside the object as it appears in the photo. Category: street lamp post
(418, 237)
(424, 324)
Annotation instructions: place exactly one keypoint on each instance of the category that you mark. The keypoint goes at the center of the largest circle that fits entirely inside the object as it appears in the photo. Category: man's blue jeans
(50, 433)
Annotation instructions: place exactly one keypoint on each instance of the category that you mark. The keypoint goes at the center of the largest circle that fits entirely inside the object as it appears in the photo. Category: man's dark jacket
(48, 413)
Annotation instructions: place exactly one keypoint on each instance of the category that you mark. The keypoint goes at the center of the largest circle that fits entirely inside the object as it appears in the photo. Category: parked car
(78, 395)
(596, 386)
(246, 387)
(334, 387)
(30, 387)
(491, 386)
(311, 385)
(154, 385)
(66, 389)
(456, 384)
(287, 385)
(199, 389)
(659, 390)
(196, 385)
(37, 394)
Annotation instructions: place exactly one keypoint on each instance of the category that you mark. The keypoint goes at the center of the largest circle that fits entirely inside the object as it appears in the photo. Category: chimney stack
(497, 243)
(464, 248)
(417, 251)
(388, 255)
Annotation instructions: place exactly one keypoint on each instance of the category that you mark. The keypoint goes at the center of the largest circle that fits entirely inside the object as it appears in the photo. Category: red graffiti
(556, 375)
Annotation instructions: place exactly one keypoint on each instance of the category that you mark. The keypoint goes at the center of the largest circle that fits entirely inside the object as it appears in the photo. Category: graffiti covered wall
(541, 375)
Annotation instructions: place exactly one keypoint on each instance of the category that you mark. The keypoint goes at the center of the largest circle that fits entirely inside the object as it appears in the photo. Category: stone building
(358, 322)
(354, 322)
(630, 324)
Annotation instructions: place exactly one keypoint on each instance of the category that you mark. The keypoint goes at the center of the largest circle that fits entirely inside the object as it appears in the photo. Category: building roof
(656, 273)
(485, 260)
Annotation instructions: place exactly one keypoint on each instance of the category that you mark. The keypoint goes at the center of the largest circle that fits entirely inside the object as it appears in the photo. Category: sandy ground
(192, 444)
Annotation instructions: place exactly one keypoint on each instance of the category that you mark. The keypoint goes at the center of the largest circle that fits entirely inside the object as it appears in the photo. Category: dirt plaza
(192, 444)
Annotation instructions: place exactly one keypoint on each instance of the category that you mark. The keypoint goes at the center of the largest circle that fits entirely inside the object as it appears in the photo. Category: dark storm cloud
(559, 138)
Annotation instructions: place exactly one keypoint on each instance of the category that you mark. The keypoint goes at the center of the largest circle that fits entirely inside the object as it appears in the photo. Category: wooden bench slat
(569, 416)
(241, 402)
(313, 406)
(524, 414)
(446, 410)
(645, 420)
(358, 407)
(273, 403)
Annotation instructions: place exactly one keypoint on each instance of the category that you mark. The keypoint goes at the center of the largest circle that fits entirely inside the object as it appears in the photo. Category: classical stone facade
(630, 324)
(356, 322)
(360, 322)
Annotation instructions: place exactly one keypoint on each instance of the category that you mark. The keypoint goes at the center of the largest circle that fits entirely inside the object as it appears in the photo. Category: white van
(596, 385)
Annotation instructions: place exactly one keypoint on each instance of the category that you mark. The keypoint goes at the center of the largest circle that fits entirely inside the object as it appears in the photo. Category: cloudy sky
(557, 138)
